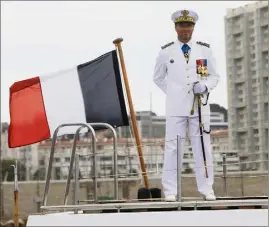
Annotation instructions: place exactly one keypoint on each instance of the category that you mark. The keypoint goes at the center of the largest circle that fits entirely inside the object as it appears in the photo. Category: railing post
(73, 152)
(179, 161)
(54, 138)
(76, 182)
(241, 179)
(47, 184)
(224, 166)
(90, 128)
(115, 157)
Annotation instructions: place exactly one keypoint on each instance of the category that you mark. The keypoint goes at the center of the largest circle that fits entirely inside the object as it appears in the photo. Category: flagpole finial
(118, 40)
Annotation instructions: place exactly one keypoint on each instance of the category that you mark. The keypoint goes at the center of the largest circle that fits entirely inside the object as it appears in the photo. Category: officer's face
(184, 30)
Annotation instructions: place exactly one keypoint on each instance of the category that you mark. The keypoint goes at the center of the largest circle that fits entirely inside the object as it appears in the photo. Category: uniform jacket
(175, 77)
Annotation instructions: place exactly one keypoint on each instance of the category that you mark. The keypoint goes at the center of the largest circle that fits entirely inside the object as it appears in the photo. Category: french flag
(88, 93)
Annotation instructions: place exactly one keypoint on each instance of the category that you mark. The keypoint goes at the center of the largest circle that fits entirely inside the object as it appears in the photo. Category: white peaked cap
(184, 16)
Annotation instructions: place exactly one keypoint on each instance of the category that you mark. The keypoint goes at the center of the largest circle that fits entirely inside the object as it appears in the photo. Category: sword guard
(207, 132)
(203, 127)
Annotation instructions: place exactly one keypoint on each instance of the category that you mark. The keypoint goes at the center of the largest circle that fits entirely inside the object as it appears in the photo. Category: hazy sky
(42, 37)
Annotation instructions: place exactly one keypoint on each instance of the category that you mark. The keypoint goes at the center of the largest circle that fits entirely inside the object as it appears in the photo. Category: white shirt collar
(181, 44)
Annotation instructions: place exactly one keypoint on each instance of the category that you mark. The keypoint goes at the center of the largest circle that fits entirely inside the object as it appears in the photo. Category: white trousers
(178, 126)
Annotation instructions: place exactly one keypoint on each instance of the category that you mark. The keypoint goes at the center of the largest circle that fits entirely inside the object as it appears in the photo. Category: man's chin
(185, 38)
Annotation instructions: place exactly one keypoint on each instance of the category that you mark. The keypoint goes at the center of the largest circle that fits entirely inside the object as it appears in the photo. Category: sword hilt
(192, 109)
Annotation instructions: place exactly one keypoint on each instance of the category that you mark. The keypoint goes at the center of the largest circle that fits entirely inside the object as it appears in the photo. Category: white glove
(199, 88)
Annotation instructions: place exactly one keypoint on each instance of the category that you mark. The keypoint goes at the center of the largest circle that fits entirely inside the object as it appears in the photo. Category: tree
(39, 174)
(8, 169)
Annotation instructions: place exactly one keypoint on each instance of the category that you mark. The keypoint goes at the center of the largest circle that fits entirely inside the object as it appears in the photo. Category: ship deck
(139, 206)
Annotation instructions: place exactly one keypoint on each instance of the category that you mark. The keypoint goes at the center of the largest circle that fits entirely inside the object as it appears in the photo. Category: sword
(201, 126)
(201, 133)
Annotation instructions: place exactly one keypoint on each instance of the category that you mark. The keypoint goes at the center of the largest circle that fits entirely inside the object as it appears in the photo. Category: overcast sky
(42, 37)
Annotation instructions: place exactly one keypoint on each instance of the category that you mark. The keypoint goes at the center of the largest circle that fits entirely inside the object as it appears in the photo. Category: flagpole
(117, 43)
(16, 194)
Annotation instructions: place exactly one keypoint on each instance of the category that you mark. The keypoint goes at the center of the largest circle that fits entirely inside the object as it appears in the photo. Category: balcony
(241, 127)
(239, 79)
(237, 29)
(240, 104)
(264, 22)
(238, 54)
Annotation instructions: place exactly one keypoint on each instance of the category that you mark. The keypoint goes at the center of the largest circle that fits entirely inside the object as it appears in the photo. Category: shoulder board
(203, 44)
(167, 45)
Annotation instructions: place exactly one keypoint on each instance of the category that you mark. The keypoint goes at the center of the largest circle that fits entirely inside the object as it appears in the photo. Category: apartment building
(246, 31)
(128, 163)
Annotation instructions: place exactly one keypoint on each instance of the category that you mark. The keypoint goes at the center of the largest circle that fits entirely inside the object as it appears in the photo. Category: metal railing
(178, 169)
(72, 162)
(74, 157)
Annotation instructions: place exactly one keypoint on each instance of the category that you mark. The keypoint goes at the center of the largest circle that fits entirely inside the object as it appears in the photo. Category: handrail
(116, 188)
(115, 157)
(47, 184)
(72, 162)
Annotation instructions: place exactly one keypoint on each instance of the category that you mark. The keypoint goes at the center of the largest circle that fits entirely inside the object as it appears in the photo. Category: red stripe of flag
(28, 120)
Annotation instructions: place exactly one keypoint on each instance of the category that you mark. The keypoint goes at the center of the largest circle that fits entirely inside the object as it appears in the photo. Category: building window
(106, 158)
(121, 158)
(57, 159)
(57, 173)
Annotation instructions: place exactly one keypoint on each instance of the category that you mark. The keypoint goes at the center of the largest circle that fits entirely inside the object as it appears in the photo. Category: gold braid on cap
(185, 17)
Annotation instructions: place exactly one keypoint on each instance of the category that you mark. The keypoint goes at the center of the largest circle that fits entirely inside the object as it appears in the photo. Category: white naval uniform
(175, 77)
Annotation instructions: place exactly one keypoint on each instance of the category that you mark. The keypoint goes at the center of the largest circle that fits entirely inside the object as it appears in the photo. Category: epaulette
(167, 45)
(203, 44)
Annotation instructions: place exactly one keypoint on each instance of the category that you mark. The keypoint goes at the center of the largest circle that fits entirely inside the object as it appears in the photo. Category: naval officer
(185, 68)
